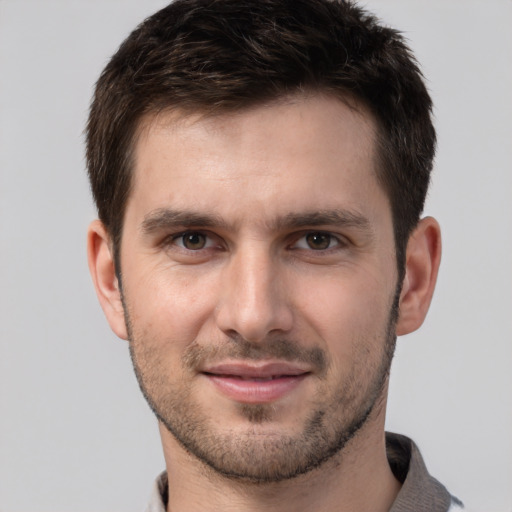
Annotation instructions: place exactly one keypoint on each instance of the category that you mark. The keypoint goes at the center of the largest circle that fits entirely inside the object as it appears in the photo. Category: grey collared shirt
(420, 492)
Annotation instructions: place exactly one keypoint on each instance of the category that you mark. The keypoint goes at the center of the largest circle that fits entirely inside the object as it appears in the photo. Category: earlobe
(102, 269)
(422, 264)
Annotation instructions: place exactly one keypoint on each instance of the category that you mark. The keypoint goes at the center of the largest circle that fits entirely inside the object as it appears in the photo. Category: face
(259, 283)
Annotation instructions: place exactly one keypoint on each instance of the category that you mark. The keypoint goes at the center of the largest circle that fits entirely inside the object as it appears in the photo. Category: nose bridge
(253, 302)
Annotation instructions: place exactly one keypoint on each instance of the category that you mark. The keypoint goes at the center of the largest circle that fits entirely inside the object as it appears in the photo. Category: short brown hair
(218, 56)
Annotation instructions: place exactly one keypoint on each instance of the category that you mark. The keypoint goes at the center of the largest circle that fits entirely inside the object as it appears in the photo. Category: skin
(289, 259)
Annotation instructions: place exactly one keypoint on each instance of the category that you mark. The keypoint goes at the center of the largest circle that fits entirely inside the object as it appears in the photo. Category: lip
(256, 383)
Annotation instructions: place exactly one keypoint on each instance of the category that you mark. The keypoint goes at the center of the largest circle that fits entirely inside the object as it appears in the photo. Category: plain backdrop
(75, 432)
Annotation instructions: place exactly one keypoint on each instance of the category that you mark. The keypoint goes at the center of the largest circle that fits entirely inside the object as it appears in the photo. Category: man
(260, 169)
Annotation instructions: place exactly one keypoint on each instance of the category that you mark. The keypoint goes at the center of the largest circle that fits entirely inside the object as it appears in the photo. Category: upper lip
(256, 369)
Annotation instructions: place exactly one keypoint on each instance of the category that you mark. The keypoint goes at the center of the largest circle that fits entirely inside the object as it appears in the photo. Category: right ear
(102, 269)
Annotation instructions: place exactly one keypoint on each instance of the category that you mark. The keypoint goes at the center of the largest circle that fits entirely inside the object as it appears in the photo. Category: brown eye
(318, 241)
(193, 241)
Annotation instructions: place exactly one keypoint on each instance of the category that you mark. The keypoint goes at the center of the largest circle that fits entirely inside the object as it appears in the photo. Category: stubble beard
(275, 456)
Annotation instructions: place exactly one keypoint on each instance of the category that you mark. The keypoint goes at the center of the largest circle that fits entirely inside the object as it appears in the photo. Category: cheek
(169, 306)
(349, 315)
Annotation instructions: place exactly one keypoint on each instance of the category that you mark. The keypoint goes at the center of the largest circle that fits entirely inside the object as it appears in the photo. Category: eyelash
(339, 242)
(174, 240)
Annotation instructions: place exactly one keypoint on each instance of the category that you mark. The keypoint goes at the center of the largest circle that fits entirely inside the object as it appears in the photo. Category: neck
(357, 479)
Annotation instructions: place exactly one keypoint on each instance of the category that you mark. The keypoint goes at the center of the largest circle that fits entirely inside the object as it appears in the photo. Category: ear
(102, 269)
(421, 267)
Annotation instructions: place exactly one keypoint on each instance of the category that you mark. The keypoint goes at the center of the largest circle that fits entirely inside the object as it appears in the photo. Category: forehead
(309, 150)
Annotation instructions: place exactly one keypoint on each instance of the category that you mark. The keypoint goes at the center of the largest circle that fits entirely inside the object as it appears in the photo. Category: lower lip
(256, 391)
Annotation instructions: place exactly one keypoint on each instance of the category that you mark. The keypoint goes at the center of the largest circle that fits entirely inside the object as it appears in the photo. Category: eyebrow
(340, 218)
(167, 218)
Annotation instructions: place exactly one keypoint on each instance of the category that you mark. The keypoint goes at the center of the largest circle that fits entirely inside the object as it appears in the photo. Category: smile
(256, 384)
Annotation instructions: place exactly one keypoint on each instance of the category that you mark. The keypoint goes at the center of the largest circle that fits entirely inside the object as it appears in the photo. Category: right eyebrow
(166, 218)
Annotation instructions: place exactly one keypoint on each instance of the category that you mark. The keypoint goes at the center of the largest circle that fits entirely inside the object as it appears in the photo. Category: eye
(317, 241)
(193, 240)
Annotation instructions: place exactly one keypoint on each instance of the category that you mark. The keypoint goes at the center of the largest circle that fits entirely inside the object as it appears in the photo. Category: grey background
(75, 433)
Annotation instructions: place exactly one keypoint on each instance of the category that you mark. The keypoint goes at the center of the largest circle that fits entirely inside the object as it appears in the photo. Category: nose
(253, 302)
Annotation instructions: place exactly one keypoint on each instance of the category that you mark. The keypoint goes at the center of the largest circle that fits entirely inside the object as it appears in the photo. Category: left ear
(421, 267)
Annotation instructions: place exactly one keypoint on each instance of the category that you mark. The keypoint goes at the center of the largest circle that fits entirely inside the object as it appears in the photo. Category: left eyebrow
(339, 218)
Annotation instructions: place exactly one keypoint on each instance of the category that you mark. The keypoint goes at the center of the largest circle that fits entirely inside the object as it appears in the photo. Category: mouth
(256, 383)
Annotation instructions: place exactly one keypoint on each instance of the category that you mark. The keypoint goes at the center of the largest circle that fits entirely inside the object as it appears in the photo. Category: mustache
(197, 356)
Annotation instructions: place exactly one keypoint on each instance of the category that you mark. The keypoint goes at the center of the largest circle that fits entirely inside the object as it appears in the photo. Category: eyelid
(213, 240)
(339, 240)
(175, 238)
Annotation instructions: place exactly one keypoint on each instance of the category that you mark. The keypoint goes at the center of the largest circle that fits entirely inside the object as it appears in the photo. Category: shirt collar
(420, 491)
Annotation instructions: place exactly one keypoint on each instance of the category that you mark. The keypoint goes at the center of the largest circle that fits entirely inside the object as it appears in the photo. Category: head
(259, 169)
(211, 57)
